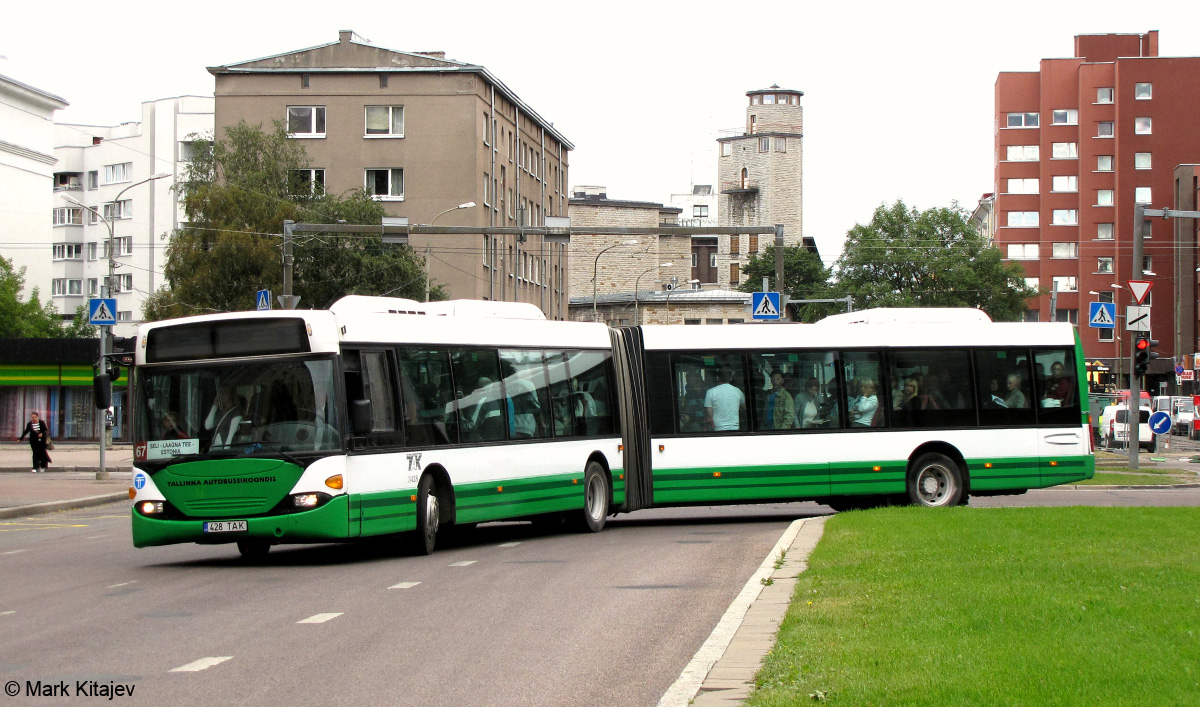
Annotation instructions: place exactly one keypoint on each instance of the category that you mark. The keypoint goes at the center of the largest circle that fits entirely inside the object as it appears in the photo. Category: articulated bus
(378, 419)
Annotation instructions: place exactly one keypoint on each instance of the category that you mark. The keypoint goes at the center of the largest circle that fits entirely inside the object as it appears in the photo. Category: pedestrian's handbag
(49, 444)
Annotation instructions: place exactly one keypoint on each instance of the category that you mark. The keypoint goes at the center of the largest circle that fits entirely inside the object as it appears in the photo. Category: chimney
(345, 36)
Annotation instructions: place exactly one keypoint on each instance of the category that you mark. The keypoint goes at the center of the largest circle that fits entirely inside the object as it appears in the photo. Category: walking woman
(39, 441)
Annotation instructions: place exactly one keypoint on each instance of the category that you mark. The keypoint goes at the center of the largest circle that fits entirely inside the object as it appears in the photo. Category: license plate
(225, 526)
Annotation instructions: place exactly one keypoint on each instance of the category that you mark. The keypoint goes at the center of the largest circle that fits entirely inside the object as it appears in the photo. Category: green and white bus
(375, 418)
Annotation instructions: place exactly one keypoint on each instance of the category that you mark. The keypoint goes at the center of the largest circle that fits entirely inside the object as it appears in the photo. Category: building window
(1104, 266)
(1064, 151)
(1141, 195)
(1033, 283)
(124, 245)
(385, 121)
(1064, 183)
(700, 211)
(1065, 217)
(487, 189)
(780, 144)
(1148, 266)
(1104, 128)
(1031, 315)
(67, 216)
(306, 121)
(1104, 197)
(1022, 186)
(93, 286)
(1106, 334)
(1143, 91)
(1064, 117)
(735, 274)
(124, 283)
(68, 251)
(1023, 153)
(1022, 120)
(93, 217)
(115, 173)
(1104, 231)
(93, 180)
(1064, 284)
(726, 149)
(1141, 160)
(306, 182)
(1104, 163)
(119, 210)
(1104, 95)
(752, 243)
(187, 149)
(764, 144)
(1064, 250)
(1143, 126)
(1022, 251)
(712, 260)
(385, 184)
(1066, 315)
(125, 315)
(735, 244)
(1022, 219)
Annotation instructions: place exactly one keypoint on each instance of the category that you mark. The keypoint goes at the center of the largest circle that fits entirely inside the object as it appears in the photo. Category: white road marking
(197, 665)
(462, 563)
(509, 544)
(13, 552)
(404, 585)
(6, 613)
(122, 584)
(94, 537)
(319, 618)
(688, 684)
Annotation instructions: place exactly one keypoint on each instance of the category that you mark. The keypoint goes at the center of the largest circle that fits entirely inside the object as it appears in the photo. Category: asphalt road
(504, 616)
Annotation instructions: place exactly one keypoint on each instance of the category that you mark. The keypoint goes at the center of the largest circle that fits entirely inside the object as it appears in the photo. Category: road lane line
(509, 544)
(685, 688)
(197, 665)
(6, 613)
(404, 585)
(319, 618)
(122, 584)
(13, 552)
(462, 563)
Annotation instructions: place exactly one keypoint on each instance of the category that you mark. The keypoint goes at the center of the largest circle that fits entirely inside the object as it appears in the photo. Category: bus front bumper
(329, 522)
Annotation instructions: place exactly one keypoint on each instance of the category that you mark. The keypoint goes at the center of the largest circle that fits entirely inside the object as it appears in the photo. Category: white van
(1114, 430)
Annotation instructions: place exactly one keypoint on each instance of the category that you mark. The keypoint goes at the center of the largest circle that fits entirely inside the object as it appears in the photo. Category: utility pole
(1132, 418)
(287, 299)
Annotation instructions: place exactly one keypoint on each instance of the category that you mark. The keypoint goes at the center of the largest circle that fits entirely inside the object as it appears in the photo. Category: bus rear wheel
(935, 481)
(595, 500)
(428, 516)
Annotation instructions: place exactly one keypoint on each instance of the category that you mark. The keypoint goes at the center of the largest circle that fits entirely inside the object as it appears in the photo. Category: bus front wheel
(428, 515)
(935, 481)
(595, 500)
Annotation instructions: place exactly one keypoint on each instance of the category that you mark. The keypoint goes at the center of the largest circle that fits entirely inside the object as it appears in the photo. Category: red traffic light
(1142, 344)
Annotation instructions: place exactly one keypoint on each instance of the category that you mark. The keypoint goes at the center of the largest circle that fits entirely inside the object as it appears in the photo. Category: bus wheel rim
(933, 485)
(594, 500)
(431, 516)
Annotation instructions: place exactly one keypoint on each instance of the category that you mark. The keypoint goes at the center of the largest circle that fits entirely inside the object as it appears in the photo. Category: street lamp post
(468, 205)
(596, 271)
(637, 315)
(106, 330)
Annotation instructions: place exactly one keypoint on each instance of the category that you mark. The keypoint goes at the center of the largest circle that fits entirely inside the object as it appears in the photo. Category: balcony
(740, 186)
(68, 181)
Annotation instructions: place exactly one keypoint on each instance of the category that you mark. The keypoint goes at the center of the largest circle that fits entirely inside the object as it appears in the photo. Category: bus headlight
(151, 508)
(308, 500)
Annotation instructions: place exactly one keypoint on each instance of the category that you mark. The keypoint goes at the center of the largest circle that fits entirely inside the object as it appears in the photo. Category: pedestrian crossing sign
(262, 302)
(1103, 315)
(102, 312)
(764, 305)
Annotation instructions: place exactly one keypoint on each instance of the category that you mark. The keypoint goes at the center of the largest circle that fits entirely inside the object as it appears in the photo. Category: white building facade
(26, 175)
(98, 183)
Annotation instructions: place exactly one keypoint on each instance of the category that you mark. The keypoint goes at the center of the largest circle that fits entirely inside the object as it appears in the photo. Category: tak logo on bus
(414, 462)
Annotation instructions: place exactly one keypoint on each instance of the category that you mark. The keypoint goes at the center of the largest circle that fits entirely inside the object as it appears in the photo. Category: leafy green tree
(31, 319)
(933, 258)
(236, 195)
(804, 277)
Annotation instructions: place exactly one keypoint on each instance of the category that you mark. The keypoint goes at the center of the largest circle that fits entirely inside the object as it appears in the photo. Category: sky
(898, 95)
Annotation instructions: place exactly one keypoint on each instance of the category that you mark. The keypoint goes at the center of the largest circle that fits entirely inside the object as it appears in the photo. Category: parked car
(1115, 430)
(1185, 411)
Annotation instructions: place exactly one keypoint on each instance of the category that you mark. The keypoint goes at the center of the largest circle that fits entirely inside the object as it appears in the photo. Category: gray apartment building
(423, 134)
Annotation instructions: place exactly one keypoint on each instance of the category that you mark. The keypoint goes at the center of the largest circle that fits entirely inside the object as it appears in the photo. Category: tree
(933, 258)
(236, 194)
(804, 277)
(32, 319)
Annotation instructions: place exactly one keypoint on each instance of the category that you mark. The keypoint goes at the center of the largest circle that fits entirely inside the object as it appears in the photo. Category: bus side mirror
(360, 416)
(102, 391)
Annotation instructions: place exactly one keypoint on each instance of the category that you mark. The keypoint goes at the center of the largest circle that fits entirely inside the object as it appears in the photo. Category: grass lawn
(1139, 478)
(1007, 606)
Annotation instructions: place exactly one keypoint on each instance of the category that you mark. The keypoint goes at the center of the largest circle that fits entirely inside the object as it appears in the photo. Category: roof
(34, 94)
(351, 55)
(774, 88)
(660, 296)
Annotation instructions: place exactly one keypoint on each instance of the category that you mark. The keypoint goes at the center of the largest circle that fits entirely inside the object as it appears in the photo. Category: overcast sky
(898, 96)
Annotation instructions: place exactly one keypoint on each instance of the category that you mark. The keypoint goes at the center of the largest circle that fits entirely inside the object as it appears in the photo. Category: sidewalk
(70, 483)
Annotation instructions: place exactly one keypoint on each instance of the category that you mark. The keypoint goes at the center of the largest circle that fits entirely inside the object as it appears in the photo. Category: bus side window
(427, 392)
(1005, 389)
(865, 399)
(479, 409)
(1056, 395)
(374, 379)
(591, 392)
(526, 394)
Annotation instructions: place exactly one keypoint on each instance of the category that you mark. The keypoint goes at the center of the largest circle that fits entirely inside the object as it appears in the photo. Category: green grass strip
(1134, 479)
(1013, 606)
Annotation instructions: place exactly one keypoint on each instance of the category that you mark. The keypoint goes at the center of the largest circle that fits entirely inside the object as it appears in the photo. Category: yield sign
(1139, 288)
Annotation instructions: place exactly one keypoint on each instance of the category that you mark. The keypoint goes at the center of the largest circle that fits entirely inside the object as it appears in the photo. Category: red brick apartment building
(1078, 143)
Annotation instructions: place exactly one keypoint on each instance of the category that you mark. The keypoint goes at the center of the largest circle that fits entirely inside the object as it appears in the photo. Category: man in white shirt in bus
(724, 403)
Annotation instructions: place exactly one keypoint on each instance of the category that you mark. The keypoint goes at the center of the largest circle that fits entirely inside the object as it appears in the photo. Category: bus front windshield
(237, 409)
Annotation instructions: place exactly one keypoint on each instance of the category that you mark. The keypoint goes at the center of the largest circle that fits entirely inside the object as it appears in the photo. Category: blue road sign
(262, 301)
(1160, 423)
(102, 312)
(1179, 370)
(764, 305)
(1103, 315)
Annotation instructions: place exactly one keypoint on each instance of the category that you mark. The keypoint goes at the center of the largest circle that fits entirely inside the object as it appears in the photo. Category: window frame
(391, 120)
(368, 184)
(312, 133)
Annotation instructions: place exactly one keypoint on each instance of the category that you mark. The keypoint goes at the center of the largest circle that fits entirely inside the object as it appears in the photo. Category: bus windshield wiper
(256, 446)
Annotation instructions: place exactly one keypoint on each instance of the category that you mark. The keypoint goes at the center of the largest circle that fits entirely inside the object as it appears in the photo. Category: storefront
(53, 377)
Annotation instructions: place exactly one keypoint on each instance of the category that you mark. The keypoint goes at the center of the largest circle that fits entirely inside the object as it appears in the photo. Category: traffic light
(1143, 353)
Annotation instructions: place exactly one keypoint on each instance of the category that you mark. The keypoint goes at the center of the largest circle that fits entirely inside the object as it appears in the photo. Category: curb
(55, 506)
(89, 469)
